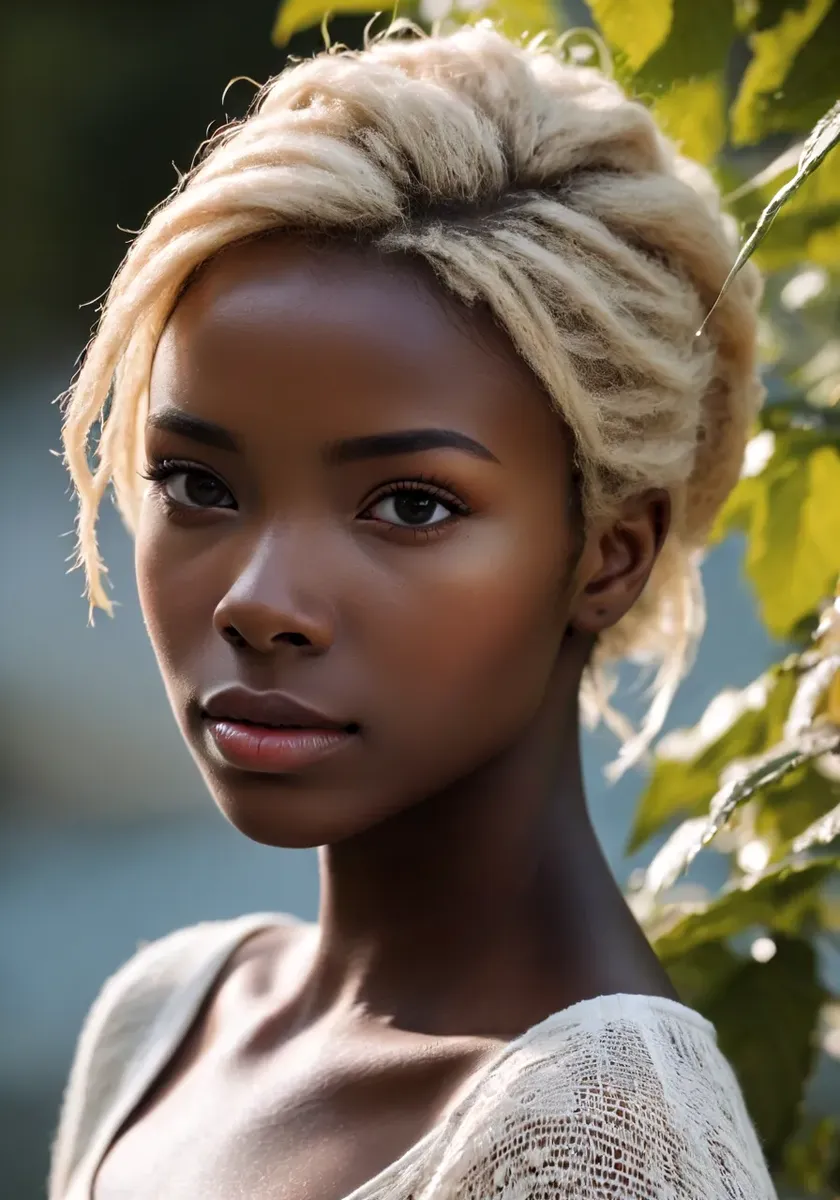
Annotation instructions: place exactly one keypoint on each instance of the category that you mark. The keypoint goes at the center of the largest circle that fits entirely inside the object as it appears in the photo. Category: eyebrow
(409, 441)
(173, 420)
(347, 450)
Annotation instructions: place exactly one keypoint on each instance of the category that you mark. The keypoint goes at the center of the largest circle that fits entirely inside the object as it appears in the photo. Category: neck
(485, 907)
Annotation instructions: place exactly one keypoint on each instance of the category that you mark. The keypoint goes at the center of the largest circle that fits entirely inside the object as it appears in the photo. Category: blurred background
(106, 834)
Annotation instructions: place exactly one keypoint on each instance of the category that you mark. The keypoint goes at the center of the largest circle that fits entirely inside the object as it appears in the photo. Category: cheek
(478, 626)
(176, 598)
(145, 570)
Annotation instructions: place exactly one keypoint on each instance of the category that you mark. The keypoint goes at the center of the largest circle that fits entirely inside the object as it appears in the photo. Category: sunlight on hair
(531, 185)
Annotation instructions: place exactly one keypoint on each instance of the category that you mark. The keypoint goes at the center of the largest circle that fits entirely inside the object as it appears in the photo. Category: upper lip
(266, 708)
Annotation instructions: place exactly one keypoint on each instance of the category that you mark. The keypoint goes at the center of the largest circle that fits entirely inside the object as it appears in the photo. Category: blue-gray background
(106, 834)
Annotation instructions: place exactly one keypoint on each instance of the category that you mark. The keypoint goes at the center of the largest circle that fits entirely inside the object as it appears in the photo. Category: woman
(408, 414)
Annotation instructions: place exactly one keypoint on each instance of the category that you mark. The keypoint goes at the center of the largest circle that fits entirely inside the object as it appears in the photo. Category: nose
(275, 601)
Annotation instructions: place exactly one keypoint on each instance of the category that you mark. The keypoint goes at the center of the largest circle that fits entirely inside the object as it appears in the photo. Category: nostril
(294, 639)
(233, 635)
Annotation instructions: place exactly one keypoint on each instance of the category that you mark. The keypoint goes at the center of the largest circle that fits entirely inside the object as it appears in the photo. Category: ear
(617, 559)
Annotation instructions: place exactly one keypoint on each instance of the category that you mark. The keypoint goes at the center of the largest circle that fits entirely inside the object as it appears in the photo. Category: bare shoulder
(269, 952)
(264, 968)
(220, 947)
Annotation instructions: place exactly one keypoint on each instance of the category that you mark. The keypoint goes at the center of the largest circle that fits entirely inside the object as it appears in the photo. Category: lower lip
(263, 748)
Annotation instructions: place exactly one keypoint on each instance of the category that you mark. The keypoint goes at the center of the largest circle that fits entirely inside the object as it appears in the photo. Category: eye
(415, 505)
(410, 508)
(185, 486)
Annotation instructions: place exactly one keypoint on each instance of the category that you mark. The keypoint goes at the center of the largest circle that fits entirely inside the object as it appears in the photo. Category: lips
(270, 732)
(273, 710)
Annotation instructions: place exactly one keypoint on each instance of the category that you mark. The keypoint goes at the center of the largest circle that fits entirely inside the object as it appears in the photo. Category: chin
(282, 812)
(266, 830)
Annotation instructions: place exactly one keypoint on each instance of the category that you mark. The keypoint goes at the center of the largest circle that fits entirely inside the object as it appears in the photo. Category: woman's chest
(219, 1133)
(213, 1149)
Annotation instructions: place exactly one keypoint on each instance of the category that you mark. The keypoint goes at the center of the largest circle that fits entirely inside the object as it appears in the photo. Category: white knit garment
(616, 1098)
(624, 1096)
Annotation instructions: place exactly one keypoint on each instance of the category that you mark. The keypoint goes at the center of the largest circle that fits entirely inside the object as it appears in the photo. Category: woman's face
(360, 522)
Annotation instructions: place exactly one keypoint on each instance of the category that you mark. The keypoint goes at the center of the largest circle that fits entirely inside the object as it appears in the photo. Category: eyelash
(161, 470)
(428, 485)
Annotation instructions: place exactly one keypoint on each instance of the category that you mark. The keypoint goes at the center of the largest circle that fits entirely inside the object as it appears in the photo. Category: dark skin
(442, 602)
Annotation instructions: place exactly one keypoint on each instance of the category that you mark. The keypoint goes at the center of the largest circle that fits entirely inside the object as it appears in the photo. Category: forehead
(340, 334)
(284, 286)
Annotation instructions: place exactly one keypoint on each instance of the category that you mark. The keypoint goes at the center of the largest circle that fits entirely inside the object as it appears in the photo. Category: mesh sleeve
(633, 1109)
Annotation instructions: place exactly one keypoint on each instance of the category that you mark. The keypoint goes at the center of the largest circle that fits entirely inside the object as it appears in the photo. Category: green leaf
(675, 790)
(296, 15)
(824, 423)
(822, 139)
(683, 78)
(766, 1017)
(686, 842)
(689, 763)
(791, 516)
(813, 691)
(770, 12)
(633, 28)
(792, 76)
(812, 1156)
(808, 227)
(780, 165)
(745, 12)
(779, 900)
(789, 809)
(736, 515)
(793, 557)
(823, 831)
(830, 911)
(698, 44)
(693, 113)
(530, 17)
(703, 971)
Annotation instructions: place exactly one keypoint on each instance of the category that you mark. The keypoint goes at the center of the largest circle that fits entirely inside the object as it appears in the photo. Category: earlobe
(617, 561)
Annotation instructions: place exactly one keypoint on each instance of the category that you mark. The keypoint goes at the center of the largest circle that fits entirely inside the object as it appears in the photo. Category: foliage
(756, 1002)
(823, 138)
(291, 18)
(750, 88)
